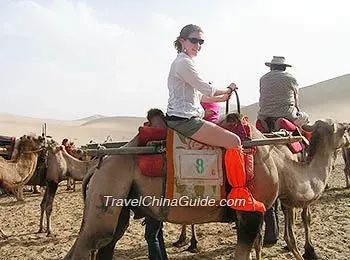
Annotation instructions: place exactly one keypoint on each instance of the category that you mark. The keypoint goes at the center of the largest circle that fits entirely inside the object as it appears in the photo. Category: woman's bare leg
(215, 135)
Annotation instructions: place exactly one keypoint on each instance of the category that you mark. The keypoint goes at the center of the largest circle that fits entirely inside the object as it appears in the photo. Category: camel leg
(97, 231)
(100, 217)
(107, 251)
(248, 227)
(182, 238)
(258, 244)
(310, 253)
(193, 246)
(347, 176)
(289, 236)
(346, 168)
(42, 210)
(70, 184)
(52, 192)
(46, 206)
(18, 192)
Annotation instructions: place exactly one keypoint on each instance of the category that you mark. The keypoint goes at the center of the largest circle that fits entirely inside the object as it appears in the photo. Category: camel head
(336, 133)
(29, 143)
(156, 118)
(81, 154)
(52, 146)
(229, 121)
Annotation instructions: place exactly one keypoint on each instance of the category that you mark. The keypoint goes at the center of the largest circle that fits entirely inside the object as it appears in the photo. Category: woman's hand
(232, 87)
(226, 96)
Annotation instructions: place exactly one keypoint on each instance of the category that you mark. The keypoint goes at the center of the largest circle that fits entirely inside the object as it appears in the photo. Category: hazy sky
(70, 59)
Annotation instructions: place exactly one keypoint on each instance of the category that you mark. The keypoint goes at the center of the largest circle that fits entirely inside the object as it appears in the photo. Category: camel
(302, 184)
(60, 165)
(103, 225)
(346, 157)
(17, 172)
(309, 250)
(18, 192)
(193, 241)
(80, 154)
(289, 215)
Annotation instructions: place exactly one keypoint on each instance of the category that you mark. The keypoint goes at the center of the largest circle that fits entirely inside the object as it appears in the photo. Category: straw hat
(277, 60)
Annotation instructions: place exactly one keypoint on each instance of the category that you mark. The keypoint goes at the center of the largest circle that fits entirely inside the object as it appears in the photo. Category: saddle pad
(283, 123)
(194, 170)
(147, 134)
(151, 165)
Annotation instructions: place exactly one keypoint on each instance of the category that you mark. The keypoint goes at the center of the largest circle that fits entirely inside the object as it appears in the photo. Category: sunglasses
(196, 40)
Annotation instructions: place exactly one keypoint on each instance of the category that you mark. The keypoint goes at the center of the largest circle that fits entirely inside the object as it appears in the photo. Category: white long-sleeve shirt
(186, 88)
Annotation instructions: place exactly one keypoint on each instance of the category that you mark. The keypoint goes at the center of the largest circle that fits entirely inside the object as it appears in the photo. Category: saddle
(271, 124)
(154, 165)
(7, 144)
(151, 165)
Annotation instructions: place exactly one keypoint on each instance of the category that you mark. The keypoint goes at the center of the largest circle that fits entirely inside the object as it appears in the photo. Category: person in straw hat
(279, 94)
(279, 97)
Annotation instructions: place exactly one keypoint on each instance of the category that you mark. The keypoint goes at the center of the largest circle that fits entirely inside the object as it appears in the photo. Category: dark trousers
(271, 223)
(155, 240)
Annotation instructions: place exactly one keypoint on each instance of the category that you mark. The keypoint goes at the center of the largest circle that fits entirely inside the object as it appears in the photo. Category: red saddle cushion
(283, 123)
(151, 165)
(259, 126)
(147, 134)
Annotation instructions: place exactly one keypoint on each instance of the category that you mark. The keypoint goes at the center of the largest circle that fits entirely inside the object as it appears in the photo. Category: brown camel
(193, 241)
(17, 172)
(302, 184)
(33, 182)
(331, 134)
(103, 225)
(60, 165)
(80, 154)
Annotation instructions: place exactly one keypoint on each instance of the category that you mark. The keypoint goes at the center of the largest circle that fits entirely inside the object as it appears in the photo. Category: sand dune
(79, 131)
(325, 99)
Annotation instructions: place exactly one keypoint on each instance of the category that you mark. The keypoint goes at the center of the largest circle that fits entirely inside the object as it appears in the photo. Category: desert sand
(330, 227)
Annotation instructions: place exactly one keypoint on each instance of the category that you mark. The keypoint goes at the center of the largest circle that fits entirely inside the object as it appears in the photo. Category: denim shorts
(185, 126)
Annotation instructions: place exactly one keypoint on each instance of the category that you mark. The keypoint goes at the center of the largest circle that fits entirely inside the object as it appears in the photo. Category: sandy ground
(330, 229)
